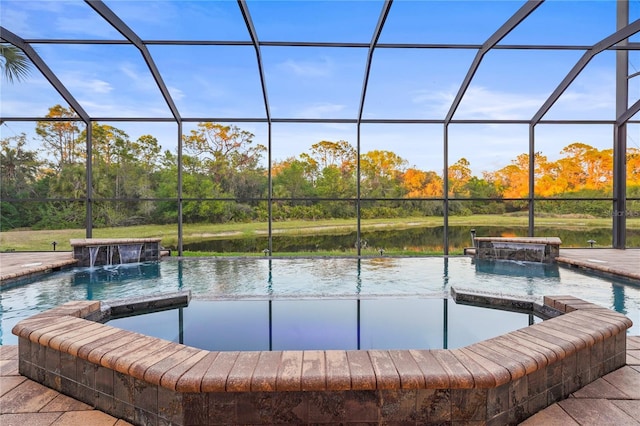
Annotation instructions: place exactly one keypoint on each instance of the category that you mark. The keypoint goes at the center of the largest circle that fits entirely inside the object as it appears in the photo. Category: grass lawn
(29, 240)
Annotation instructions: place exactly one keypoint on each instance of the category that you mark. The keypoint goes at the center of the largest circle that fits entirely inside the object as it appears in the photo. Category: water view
(416, 239)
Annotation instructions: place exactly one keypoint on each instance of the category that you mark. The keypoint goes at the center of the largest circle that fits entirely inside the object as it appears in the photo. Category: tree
(420, 184)
(62, 138)
(18, 167)
(290, 180)
(633, 167)
(512, 180)
(459, 174)
(14, 64)
(226, 155)
(19, 170)
(326, 153)
(381, 172)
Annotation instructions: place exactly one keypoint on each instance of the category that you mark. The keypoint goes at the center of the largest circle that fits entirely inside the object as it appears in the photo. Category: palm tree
(14, 64)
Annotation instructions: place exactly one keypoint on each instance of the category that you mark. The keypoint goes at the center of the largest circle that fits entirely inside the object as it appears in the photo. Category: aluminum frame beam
(244, 9)
(372, 45)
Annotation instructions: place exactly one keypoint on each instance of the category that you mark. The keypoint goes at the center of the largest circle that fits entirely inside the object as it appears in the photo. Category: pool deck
(612, 399)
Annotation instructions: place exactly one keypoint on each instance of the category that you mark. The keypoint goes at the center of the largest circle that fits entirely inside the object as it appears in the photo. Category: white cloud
(321, 68)
(483, 103)
(142, 80)
(176, 93)
(320, 110)
(91, 85)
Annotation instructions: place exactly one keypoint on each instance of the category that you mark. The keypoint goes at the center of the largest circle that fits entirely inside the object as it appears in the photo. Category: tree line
(224, 180)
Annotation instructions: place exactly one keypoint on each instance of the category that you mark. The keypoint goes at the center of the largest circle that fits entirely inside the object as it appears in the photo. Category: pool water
(388, 322)
(280, 278)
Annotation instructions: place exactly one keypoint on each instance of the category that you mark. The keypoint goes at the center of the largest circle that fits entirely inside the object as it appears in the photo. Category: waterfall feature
(129, 253)
(93, 254)
(521, 249)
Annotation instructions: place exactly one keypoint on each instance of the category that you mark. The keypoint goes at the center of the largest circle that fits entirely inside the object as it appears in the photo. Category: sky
(113, 80)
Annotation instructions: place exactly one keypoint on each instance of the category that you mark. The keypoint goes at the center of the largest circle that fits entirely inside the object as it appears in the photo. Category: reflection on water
(325, 324)
(117, 273)
(517, 268)
(415, 239)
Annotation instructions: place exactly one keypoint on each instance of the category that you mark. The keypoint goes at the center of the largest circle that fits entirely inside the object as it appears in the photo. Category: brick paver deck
(611, 400)
(24, 402)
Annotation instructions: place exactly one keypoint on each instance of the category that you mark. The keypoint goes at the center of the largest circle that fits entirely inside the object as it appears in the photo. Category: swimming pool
(384, 277)
(386, 322)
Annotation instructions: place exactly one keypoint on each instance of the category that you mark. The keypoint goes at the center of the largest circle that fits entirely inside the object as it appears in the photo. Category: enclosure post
(619, 220)
(180, 231)
(445, 190)
(532, 168)
(89, 179)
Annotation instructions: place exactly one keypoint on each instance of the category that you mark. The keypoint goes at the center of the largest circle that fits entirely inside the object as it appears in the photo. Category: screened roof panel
(487, 147)
(314, 82)
(182, 20)
(591, 96)
(562, 23)
(315, 21)
(419, 144)
(107, 80)
(55, 19)
(211, 81)
(292, 139)
(451, 22)
(415, 83)
(513, 84)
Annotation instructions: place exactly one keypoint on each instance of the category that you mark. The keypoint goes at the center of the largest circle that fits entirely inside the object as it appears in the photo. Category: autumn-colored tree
(586, 167)
(459, 174)
(420, 184)
(633, 166)
(512, 181)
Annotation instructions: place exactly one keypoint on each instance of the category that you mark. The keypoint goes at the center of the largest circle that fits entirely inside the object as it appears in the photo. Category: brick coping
(526, 240)
(90, 242)
(59, 346)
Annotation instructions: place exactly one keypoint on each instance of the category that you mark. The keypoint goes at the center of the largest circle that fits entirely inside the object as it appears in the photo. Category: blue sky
(223, 81)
